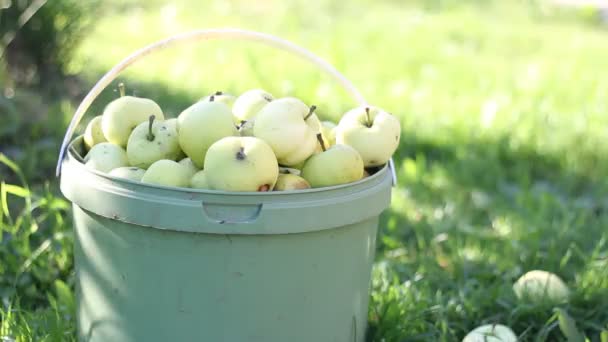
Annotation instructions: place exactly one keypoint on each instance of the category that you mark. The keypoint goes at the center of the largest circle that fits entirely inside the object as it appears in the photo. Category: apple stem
(310, 112)
(211, 98)
(121, 89)
(320, 138)
(369, 121)
(240, 155)
(150, 136)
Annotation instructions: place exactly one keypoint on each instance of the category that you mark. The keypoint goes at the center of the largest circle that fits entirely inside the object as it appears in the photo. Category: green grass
(501, 168)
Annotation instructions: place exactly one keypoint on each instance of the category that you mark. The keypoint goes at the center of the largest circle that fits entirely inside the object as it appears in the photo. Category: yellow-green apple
(241, 164)
(151, 141)
(288, 181)
(248, 104)
(168, 173)
(289, 170)
(339, 164)
(491, 333)
(328, 129)
(93, 134)
(222, 97)
(122, 115)
(541, 286)
(192, 169)
(371, 131)
(105, 157)
(246, 128)
(202, 124)
(290, 128)
(128, 172)
(199, 180)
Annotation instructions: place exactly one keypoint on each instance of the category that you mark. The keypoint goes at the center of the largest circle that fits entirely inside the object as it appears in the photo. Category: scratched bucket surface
(158, 263)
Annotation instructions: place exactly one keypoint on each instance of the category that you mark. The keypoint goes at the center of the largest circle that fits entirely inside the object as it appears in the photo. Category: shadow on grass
(469, 217)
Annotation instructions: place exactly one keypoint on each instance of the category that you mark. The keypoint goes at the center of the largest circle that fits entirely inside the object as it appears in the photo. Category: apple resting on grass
(290, 128)
(128, 172)
(122, 115)
(491, 333)
(373, 132)
(168, 173)
(152, 141)
(247, 106)
(105, 157)
(340, 164)
(541, 286)
(222, 97)
(93, 134)
(241, 164)
(202, 124)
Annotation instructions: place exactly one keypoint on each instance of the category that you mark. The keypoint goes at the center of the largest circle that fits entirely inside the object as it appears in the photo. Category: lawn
(501, 170)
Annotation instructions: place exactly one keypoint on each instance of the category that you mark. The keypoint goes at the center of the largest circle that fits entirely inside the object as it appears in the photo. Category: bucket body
(167, 264)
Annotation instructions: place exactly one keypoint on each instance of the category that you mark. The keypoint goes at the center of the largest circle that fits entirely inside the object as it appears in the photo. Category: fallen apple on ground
(491, 333)
(541, 286)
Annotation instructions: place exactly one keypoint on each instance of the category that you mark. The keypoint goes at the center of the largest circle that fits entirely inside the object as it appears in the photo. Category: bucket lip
(78, 159)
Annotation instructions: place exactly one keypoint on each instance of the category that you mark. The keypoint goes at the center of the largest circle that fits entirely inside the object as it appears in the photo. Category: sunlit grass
(501, 167)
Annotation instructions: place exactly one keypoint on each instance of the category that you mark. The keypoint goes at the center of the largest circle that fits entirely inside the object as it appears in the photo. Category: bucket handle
(206, 34)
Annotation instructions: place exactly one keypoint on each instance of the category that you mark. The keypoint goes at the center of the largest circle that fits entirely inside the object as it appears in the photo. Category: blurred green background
(502, 166)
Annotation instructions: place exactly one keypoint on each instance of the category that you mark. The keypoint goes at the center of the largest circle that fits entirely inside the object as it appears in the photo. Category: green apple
(340, 164)
(122, 115)
(241, 164)
(289, 170)
(371, 131)
(129, 172)
(192, 169)
(541, 286)
(246, 128)
(199, 180)
(202, 124)
(222, 97)
(491, 333)
(290, 128)
(151, 141)
(105, 157)
(93, 134)
(168, 173)
(328, 129)
(247, 105)
(173, 123)
(288, 181)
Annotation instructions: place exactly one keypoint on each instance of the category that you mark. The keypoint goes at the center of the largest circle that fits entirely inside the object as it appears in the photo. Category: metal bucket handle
(207, 34)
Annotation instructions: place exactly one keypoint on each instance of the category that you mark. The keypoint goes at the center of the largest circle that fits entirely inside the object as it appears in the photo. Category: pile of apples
(252, 142)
